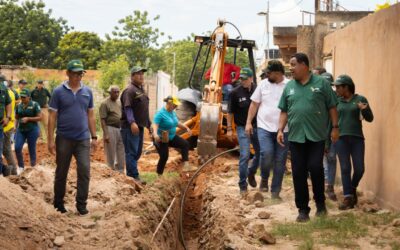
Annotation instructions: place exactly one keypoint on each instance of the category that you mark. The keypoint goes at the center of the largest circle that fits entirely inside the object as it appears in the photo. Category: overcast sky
(180, 18)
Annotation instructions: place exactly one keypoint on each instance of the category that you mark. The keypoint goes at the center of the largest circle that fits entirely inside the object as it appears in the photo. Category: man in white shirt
(264, 103)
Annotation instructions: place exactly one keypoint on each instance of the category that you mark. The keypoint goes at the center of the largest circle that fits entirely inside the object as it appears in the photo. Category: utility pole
(173, 74)
(266, 14)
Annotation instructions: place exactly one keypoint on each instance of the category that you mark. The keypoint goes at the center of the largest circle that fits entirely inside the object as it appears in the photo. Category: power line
(281, 12)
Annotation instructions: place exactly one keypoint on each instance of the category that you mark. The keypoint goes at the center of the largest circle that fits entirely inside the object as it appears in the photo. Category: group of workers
(302, 115)
(305, 116)
(21, 110)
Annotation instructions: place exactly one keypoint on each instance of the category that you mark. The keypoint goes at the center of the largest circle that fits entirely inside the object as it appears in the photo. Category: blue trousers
(31, 137)
(133, 150)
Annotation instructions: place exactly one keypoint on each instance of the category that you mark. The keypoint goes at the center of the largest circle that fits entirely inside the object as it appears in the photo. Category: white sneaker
(20, 170)
(187, 167)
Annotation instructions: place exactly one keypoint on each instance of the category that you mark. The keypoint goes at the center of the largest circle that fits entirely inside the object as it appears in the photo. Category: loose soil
(124, 215)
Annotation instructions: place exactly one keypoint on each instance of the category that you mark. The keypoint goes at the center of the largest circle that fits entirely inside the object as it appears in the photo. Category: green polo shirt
(40, 96)
(5, 99)
(308, 108)
(350, 116)
(31, 110)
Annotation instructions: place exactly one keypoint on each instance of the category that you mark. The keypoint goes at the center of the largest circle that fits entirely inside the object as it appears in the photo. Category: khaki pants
(114, 150)
(43, 122)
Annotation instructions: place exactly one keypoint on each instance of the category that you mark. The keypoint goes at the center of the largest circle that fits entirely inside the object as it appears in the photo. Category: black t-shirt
(135, 97)
(239, 103)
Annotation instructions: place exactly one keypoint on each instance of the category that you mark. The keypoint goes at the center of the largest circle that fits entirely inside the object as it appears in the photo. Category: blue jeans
(31, 137)
(330, 165)
(1, 149)
(133, 150)
(244, 145)
(272, 156)
(351, 146)
(226, 91)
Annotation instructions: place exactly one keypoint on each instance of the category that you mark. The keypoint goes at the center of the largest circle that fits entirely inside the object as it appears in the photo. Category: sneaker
(20, 171)
(187, 167)
(330, 192)
(252, 180)
(321, 210)
(82, 211)
(264, 185)
(60, 208)
(275, 196)
(302, 217)
(347, 203)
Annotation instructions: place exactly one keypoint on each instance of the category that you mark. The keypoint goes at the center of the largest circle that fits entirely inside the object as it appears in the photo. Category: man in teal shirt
(306, 104)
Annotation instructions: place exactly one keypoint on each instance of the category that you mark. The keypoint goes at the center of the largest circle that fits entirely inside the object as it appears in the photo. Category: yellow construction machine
(204, 112)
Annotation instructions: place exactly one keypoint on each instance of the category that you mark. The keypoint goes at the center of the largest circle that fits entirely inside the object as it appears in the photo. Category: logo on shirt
(291, 91)
(242, 99)
(315, 89)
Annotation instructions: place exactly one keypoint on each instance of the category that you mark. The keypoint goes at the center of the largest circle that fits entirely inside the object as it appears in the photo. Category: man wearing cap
(239, 104)
(135, 117)
(264, 103)
(9, 131)
(5, 109)
(71, 109)
(330, 155)
(21, 85)
(110, 115)
(41, 95)
(306, 104)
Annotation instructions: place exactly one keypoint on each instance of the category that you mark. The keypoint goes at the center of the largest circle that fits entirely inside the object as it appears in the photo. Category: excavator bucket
(207, 140)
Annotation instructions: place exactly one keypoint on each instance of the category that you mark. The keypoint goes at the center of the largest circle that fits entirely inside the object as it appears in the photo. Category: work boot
(14, 170)
(82, 211)
(264, 185)
(330, 192)
(6, 170)
(252, 180)
(139, 181)
(302, 217)
(321, 210)
(347, 203)
(275, 196)
(355, 197)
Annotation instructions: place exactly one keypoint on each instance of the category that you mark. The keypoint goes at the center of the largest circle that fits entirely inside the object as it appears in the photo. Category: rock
(59, 241)
(396, 222)
(383, 211)
(127, 224)
(373, 208)
(259, 204)
(267, 238)
(264, 215)
(89, 225)
(255, 196)
(258, 229)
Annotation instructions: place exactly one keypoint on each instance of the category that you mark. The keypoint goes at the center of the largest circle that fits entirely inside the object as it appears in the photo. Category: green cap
(39, 81)
(75, 66)
(327, 76)
(24, 92)
(245, 73)
(344, 80)
(136, 69)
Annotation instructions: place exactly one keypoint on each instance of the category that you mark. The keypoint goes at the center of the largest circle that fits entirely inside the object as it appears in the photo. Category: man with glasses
(71, 109)
(110, 115)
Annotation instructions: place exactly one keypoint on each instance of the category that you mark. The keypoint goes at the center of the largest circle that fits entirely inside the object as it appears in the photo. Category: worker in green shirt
(41, 95)
(352, 108)
(306, 104)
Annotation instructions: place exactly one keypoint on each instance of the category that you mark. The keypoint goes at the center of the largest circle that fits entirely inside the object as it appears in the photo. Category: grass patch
(395, 245)
(378, 219)
(337, 231)
(95, 217)
(151, 177)
(307, 245)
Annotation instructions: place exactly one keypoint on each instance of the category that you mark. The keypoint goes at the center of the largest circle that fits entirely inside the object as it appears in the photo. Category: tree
(28, 34)
(136, 38)
(79, 45)
(114, 73)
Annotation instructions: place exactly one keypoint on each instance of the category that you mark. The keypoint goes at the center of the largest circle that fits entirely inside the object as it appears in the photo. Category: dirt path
(124, 215)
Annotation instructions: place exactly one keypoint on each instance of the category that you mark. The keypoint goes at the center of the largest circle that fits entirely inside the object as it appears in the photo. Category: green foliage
(29, 77)
(28, 34)
(135, 37)
(114, 73)
(85, 46)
